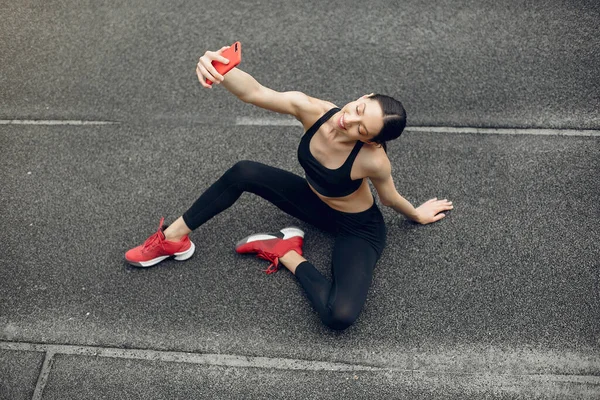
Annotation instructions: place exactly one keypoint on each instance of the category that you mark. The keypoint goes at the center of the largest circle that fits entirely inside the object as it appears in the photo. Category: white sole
(182, 256)
(292, 231)
(288, 232)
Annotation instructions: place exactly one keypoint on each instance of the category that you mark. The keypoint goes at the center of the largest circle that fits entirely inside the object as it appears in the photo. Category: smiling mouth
(341, 122)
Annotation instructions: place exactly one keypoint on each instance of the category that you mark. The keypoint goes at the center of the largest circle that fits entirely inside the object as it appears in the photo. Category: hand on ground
(431, 210)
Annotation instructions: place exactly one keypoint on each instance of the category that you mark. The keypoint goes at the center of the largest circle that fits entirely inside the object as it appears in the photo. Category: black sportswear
(328, 182)
(359, 237)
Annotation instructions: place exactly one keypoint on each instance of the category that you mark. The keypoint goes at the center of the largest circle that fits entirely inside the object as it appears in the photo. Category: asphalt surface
(498, 300)
(466, 63)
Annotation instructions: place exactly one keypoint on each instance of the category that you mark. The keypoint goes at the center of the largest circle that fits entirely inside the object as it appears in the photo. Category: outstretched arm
(426, 213)
(247, 89)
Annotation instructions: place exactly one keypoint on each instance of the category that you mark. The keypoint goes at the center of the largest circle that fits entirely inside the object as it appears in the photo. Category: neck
(334, 133)
(339, 137)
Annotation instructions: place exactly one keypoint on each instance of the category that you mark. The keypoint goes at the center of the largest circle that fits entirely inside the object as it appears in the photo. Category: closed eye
(358, 113)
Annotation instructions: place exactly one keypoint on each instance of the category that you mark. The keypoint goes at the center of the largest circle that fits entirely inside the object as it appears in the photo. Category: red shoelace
(274, 267)
(156, 239)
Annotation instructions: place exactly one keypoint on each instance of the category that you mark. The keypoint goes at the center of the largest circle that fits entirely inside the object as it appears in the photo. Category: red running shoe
(156, 248)
(271, 246)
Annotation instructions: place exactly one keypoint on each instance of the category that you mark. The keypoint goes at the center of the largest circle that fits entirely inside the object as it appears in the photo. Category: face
(361, 119)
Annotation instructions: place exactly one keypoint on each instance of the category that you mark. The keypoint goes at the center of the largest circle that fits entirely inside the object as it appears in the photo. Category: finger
(210, 68)
(199, 74)
(216, 56)
(202, 81)
(202, 76)
(207, 63)
(219, 57)
(201, 71)
(438, 217)
(207, 74)
(443, 207)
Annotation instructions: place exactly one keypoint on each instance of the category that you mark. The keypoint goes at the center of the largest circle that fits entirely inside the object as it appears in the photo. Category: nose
(351, 119)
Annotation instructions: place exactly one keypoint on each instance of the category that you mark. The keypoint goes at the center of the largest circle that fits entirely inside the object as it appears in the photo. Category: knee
(241, 171)
(341, 317)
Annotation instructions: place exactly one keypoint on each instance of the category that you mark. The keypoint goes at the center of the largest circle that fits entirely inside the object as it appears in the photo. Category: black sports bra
(328, 182)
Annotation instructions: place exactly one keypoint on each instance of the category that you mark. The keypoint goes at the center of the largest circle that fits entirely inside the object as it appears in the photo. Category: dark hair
(394, 119)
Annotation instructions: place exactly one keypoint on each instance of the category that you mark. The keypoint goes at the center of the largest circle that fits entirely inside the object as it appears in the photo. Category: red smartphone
(233, 54)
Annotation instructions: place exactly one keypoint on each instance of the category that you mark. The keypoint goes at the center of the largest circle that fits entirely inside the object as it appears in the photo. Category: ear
(367, 95)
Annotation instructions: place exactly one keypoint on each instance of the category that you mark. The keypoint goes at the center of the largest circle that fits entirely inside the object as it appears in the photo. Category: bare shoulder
(312, 110)
(375, 162)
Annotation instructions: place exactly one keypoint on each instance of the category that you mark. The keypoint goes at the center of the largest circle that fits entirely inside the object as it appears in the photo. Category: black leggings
(360, 237)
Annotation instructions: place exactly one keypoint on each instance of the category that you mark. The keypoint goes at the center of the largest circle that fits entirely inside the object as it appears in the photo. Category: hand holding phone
(213, 65)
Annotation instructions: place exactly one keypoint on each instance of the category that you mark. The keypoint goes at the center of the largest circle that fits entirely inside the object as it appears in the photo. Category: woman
(339, 151)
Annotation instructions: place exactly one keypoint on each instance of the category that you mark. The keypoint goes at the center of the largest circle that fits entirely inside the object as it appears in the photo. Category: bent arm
(389, 196)
(404, 207)
(428, 212)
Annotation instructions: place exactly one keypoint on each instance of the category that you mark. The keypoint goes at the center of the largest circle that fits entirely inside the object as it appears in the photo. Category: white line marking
(53, 122)
(536, 376)
(190, 358)
(579, 368)
(249, 121)
(505, 131)
(43, 377)
(245, 121)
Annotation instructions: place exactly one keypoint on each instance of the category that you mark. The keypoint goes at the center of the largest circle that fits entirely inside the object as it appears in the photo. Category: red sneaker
(156, 248)
(271, 246)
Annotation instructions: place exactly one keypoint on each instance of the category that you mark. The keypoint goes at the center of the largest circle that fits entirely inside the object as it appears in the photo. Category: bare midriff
(359, 201)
